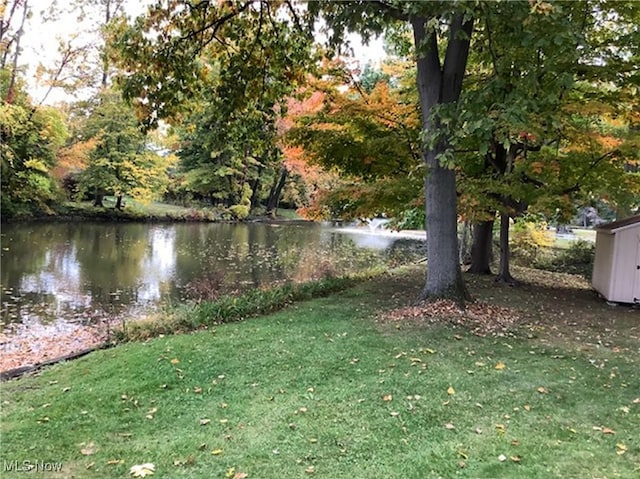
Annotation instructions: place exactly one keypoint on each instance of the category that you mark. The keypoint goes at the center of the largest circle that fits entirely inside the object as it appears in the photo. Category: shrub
(577, 259)
(529, 240)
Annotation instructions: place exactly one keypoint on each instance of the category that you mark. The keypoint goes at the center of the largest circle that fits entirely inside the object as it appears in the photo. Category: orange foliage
(608, 142)
(73, 158)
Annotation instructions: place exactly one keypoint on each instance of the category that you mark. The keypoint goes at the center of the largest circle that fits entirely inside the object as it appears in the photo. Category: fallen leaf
(142, 470)
(527, 407)
(500, 366)
(310, 470)
(203, 422)
(502, 458)
(620, 449)
(636, 401)
(224, 421)
(449, 426)
(515, 458)
(387, 397)
(113, 462)
(240, 475)
(478, 430)
(216, 452)
(88, 450)
(606, 430)
(542, 390)
(175, 361)
(197, 390)
(394, 413)
(515, 442)
(451, 391)
(231, 472)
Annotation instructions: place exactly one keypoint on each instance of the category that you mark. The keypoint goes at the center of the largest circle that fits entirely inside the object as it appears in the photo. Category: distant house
(616, 269)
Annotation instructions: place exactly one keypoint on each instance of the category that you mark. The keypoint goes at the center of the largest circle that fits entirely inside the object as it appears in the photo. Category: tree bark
(98, 199)
(276, 191)
(441, 85)
(465, 246)
(255, 187)
(482, 248)
(16, 55)
(119, 202)
(504, 276)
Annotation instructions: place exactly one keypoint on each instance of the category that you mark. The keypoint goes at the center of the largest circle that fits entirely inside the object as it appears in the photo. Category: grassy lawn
(329, 388)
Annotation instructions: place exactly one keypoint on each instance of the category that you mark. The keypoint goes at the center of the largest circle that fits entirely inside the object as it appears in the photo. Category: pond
(63, 274)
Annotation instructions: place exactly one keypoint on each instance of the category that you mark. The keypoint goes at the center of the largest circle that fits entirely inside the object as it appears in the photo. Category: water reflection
(81, 272)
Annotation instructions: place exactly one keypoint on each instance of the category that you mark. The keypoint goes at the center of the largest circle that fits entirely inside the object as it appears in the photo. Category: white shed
(616, 269)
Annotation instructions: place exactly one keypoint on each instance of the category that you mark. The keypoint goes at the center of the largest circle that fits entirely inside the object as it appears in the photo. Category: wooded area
(480, 112)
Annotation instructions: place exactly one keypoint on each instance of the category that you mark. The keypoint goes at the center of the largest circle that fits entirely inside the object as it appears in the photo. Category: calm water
(85, 272)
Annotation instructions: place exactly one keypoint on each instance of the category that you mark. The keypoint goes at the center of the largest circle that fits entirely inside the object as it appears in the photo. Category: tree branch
(390, 10)
(216, 24)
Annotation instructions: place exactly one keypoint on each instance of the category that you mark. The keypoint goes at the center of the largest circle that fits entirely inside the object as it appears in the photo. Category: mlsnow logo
(31, 466)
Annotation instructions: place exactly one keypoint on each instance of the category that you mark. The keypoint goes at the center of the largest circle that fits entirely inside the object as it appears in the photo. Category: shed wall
(624, 277)
(603, 264)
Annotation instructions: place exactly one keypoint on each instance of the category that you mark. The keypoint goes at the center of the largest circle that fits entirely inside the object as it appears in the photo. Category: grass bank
(332, 388)
(149, 211)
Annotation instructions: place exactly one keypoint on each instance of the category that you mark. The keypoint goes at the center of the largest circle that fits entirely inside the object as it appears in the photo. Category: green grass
(306, 388)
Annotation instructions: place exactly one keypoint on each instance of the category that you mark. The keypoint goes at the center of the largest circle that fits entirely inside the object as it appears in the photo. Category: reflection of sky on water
(158, 266)
(88, 272)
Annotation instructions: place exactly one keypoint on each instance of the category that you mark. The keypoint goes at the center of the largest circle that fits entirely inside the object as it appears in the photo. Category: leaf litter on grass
(482, 319)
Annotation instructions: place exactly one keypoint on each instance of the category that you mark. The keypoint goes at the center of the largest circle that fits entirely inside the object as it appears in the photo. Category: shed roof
(620, 224)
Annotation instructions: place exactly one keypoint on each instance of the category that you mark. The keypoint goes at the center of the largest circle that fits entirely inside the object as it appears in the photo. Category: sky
(41, 39)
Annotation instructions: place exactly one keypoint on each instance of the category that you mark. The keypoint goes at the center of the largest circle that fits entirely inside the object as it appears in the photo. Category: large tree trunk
(482, 248)
(276, 191)
(504, 276)
(440, 85)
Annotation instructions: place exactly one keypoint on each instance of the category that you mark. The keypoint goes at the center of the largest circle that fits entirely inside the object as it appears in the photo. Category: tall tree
(442, 37)
(371, 136)
(120, 164)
